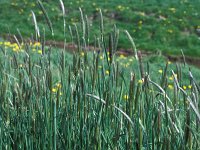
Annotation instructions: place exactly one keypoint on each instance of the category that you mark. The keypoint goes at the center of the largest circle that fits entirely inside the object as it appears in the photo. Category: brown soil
(72, 47)
(189, 60)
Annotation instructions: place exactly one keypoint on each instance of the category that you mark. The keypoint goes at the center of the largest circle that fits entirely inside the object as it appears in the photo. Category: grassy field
(53, 99)
(166, 26)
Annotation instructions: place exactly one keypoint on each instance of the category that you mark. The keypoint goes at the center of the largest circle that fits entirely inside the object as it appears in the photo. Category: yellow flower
(7, 43)
(39, 51)
(184, 87)
(160, 71)
(101, 57)
(140, 22)
(60, 93)
(58, 85)
(141, 13)
(14, 45)
(119, 6)
(169, 62)
(20, 65)
(82, 54)
(189, 86)
(37, 44)
(122, 56)
(171, 78)
(107, 72)
(170, 86)
(54, 90)
(141, 81)
(125, 97)
(15, 49)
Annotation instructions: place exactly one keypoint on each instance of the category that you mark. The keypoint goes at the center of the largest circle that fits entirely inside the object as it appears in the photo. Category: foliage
(51, 99)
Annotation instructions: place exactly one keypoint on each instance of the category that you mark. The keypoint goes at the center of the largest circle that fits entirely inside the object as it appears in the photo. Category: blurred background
(168, 26)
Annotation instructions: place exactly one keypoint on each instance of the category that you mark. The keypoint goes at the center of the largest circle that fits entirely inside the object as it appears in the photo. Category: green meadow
(165, 26)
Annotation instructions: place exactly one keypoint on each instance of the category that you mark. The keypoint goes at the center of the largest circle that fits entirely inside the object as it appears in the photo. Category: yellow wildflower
(39, 51)
(82, 54)
(141, 81)
(189, 86)
(184, 87)
(7, 43)
(122, 56)
(107, 72)
(54, 90)
(160, 71)
(141, 13)
(170, 86)
(58, 85)
(101, 57)
(37, 44)
(140, 22)
(125, 97)
(20, 65)
(169, 62)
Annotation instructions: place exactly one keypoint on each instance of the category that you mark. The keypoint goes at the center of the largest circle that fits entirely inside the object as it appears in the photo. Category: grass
(167, 26)
(51, 99)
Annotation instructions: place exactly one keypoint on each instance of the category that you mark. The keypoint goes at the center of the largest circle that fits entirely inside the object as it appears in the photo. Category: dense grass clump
(51, 99)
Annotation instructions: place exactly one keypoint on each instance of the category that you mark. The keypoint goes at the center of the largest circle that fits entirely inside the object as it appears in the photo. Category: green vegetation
(53, 99)
(56, 99)
(167, 26)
